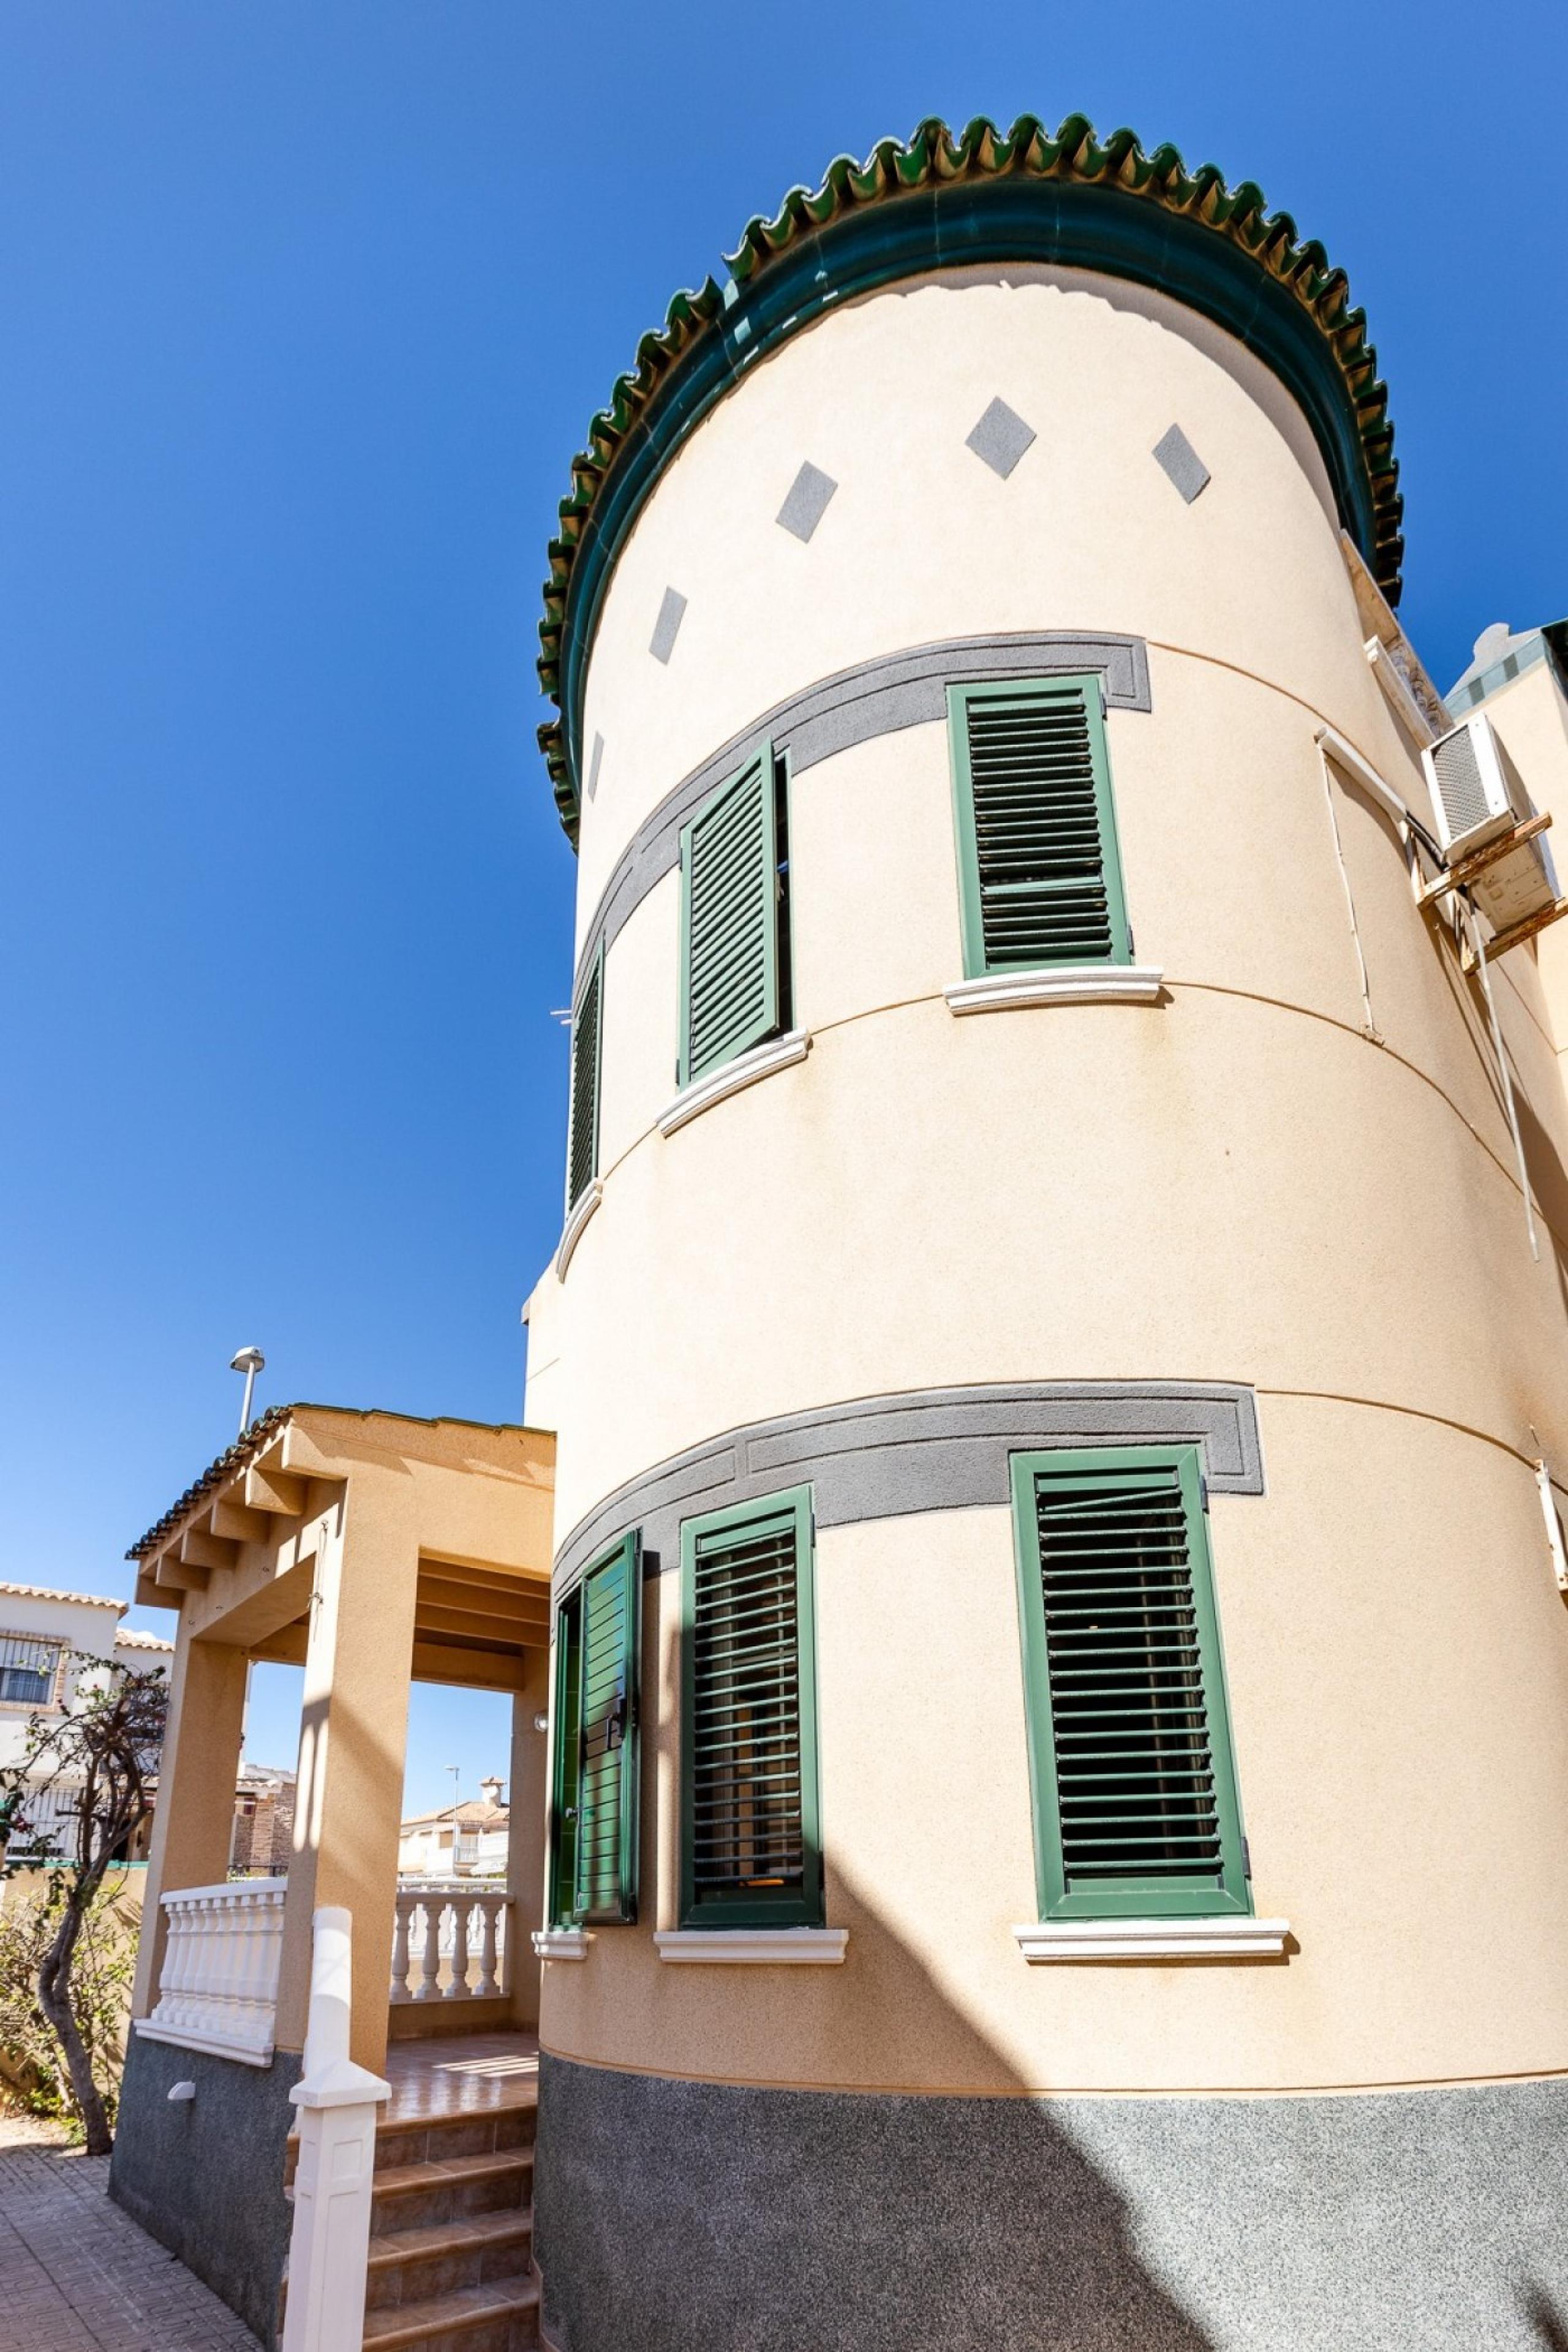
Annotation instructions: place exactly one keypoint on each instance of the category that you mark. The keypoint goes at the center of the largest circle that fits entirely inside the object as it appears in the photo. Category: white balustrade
(218, 1988)
(447, 1929)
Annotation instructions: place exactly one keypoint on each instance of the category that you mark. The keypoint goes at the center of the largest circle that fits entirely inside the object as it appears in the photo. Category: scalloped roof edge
(935, 158)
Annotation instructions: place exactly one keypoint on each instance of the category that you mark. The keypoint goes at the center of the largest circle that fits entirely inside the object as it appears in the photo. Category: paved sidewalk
(78, 2275)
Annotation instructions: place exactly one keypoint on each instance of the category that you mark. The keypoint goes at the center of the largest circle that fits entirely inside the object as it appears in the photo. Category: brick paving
(78, 2275)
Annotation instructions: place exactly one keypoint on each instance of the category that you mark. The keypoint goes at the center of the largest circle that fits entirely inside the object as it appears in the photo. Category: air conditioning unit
(1477, 797)
(1475, 788)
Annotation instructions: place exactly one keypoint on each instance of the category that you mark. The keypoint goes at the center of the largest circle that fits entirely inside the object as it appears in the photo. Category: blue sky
(304, 308)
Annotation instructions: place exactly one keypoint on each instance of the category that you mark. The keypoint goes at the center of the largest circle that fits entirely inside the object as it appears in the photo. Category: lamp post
(249, 1361)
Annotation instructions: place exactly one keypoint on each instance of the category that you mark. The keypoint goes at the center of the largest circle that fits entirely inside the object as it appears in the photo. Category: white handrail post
(333, 2178)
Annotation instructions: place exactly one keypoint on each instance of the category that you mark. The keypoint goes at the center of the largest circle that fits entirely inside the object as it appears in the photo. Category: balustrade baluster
(490, 1919)
(430, 1958)
(457, 1984)
(400, 1947)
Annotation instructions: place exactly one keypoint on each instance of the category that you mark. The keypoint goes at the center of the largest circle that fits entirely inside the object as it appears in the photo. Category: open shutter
(730, 994)
(1135, 1801)
(751, 1850)
(566, 1775)
(582, 1148)
(1040, 876)
(606, 1857)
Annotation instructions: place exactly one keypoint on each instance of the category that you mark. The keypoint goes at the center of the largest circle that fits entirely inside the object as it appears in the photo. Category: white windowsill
(1231, 1938)
(743, 1071)
(210, 2042)
(1060, 983)
(572, 1231)
(560, 1943)
(1056, 984)
(757, 1948)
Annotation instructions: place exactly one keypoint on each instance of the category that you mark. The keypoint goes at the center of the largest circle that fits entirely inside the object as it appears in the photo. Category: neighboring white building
(44, 1635)
(466, 1840)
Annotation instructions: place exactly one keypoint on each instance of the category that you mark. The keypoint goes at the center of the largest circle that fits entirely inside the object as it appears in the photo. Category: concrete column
(352, 1735)
(193, 1824)
(528, 1838)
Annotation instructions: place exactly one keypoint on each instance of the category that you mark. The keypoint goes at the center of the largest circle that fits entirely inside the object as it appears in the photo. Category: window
(588, 1025)
(27, 1670)
(1039, 873)
(735, 919)
(594, 1801)
(751, 1849)
(1136, 1813)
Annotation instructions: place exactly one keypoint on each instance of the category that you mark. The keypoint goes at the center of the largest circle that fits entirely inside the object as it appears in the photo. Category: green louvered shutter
(1136, 1812)
(1039, 872)
(566, 1776)
(583, 1147)
(607, 1862)
(729, 915)
(751, 1849)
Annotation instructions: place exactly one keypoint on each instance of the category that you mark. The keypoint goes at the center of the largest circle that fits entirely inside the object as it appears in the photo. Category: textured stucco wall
(206, 2177)
(670, 2214)
(1294, 1171)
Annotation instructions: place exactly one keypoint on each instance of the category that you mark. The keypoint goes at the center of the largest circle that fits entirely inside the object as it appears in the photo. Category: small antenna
(249, 1361)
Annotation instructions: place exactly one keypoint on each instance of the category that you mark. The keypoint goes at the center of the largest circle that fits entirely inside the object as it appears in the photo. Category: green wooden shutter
(1039, 871)
(729, 910)
(751, 1844)
(1136, 1813)
(607, 1859)
(587, 1023)
(566, 1776)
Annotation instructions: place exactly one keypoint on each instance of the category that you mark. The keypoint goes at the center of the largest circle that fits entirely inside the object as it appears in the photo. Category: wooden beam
(434, 1662)
(177, 1578)
(1516, 934)
(484, 1580)
(229, 1518)
(197, 1551)
(519, 1632)
(1453, 877)
(442, 1593)
(286, 1647)
(276, 1491)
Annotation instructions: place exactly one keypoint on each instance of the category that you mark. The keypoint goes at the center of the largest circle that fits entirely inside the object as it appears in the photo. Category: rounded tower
(1061, 1722)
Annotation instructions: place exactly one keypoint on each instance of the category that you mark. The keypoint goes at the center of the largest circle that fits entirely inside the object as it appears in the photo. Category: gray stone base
(671, 2215)
(206, 2177)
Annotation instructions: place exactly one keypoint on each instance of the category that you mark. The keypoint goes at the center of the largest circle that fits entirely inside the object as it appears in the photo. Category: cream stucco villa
(1047, 1418)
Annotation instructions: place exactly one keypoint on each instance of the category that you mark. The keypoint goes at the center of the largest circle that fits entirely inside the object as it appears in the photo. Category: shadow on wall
(670, 2212)
(1542, 2312)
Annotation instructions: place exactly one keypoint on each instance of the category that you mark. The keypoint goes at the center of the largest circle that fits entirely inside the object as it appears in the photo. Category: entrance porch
(375, 1552)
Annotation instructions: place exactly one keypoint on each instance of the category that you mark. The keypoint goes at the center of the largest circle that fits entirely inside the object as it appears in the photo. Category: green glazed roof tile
(704, 330)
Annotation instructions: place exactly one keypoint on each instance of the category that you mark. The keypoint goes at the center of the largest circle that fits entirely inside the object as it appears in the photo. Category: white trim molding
(217, 2045)
(757, 1948)
(571, 1232)
(730, 1077)
(1231, 1938)
(1059, 983)
(560, 1943)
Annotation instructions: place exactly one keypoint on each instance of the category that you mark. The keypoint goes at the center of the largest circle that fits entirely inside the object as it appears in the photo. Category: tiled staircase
(452, 2235)
(452, 2210)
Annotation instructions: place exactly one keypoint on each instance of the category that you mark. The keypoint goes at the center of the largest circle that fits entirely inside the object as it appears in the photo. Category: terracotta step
(413, 2140)
(408, 2266)
(415, 2195)
(473, 2319)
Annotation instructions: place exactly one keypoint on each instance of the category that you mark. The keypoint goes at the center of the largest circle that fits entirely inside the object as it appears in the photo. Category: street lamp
(249, 1361)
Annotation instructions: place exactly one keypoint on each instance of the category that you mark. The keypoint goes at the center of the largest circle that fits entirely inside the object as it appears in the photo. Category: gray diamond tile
(1175, 454)
(807, 501)
(666, 629)
(1000, 438)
